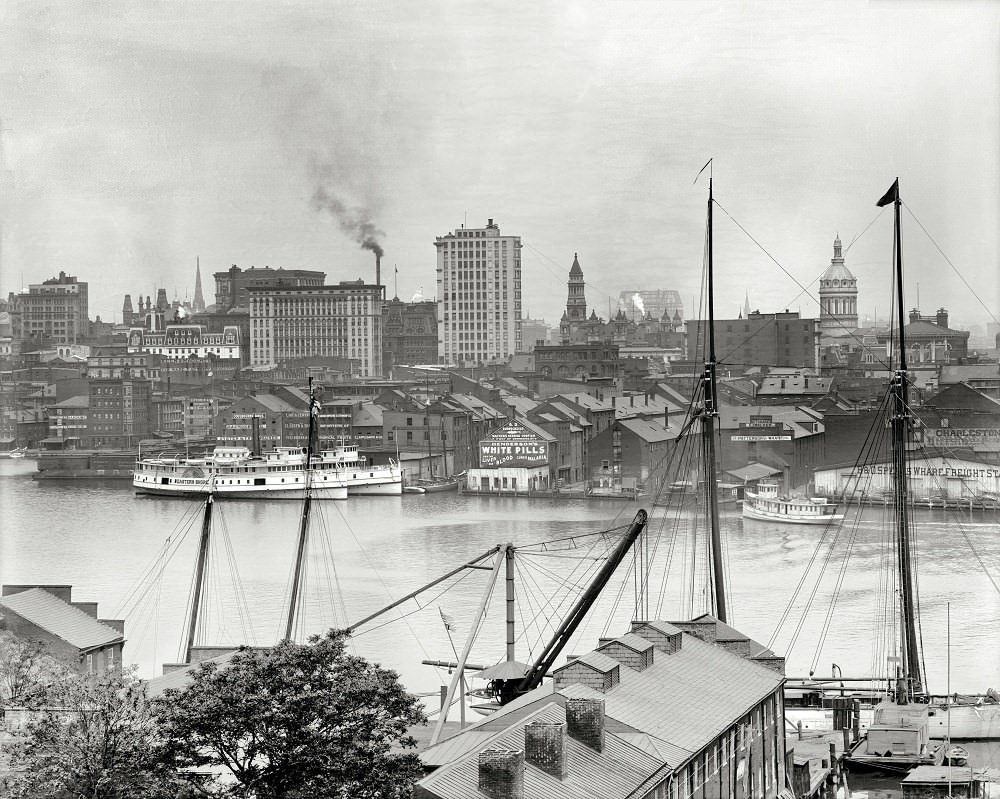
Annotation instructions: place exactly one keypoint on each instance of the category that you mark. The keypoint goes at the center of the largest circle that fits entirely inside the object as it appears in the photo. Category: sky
(139, 136)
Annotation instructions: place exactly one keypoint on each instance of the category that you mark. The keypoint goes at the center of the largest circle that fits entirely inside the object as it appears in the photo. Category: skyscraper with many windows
(479, 295)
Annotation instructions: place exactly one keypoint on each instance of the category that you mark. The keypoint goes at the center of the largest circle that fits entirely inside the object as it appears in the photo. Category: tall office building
(342, 321)
(56, 309)
(479, 295)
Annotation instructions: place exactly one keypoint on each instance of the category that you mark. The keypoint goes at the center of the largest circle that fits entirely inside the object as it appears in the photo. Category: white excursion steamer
(766, 504)
(233, 472)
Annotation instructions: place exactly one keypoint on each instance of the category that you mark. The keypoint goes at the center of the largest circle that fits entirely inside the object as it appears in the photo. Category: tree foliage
(94, 739)
(26, 670)
(296, 720)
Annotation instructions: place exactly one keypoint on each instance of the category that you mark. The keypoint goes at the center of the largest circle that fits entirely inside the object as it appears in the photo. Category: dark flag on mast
(890, 196)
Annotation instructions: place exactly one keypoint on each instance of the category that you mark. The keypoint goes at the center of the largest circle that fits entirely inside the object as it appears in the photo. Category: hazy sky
(139, 135)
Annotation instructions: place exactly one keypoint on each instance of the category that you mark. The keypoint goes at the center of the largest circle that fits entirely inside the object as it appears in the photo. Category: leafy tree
(94, 739)
(26, 669)
(295, 721)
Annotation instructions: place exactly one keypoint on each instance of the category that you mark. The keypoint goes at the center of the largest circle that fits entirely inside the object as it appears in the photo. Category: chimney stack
(501, 773)
(545, 747)
(378, 269)
(585, 722)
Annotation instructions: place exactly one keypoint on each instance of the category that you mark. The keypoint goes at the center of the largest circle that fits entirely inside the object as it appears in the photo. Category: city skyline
(135, 143)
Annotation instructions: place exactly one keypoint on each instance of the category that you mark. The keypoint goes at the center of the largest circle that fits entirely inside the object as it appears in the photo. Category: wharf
(815, 760)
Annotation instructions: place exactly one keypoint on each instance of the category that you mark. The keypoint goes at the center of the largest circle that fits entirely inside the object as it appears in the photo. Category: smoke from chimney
(356, 222)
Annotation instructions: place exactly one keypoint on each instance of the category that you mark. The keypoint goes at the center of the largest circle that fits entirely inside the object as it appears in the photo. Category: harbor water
(109, 544)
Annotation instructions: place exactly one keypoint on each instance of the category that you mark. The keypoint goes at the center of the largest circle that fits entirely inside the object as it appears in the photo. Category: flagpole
(487, 592)
(461, 704)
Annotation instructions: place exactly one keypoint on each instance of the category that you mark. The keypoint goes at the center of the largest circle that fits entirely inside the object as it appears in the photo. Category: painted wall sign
(512, 446)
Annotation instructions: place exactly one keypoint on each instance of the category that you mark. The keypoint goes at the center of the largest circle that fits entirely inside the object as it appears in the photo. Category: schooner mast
(901, 426)
(294, 600)
(709, 414)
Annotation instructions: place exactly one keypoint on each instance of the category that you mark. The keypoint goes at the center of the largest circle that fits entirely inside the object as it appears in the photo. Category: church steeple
(199, 301)
(576, 299)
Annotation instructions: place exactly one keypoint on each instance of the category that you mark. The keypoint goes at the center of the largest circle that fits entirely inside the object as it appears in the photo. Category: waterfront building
(409, 333)
(265, 421)
(479, 295)
(933, 478)
(838, 297)
(343, 320)
(69, 423)
(513, 459)
(690, 709)
(54, 310)
(631, 453)
(790, 438)
(760, 339)
(232, 287)
(71, 631)
(120, 412)
(187, 341)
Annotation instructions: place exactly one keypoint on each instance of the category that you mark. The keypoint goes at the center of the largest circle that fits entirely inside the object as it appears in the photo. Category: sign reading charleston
(512, 446)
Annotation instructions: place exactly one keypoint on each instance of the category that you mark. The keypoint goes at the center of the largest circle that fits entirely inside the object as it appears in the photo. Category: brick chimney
(545, 747)
(942, 317)
(501, 773)
(585, 722)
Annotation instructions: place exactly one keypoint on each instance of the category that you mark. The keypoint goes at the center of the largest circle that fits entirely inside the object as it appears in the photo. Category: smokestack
(378, 268)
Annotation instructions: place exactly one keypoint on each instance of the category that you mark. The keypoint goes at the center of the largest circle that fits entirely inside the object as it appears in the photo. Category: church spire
(199, 301)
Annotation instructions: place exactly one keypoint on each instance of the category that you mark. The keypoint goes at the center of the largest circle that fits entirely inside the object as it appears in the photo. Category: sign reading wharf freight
(761, 428)
(513, 446)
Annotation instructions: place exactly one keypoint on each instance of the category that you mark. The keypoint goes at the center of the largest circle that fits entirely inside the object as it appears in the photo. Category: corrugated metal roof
(60, 618)
(616, 771)
(688, 697)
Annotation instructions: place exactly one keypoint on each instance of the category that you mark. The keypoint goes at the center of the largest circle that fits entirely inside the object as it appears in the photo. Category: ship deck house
(513, 459)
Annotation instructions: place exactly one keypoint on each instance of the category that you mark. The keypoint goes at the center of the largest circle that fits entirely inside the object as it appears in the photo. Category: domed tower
(838, 296)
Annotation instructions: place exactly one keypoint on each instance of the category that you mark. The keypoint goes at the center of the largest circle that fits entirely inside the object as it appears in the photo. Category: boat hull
(201, 489)
(751, 512)
(965, 722)
(386, 489)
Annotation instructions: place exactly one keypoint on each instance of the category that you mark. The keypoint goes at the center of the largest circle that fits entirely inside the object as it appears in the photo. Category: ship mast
(199, 576)
(709, 414)
(901, 426)
(300, 550)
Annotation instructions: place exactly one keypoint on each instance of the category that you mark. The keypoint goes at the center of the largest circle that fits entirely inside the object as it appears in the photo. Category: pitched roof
(688, 697)
(648, 431)
(753, 471)
(616, 771)
(64, 621)
(659, 717)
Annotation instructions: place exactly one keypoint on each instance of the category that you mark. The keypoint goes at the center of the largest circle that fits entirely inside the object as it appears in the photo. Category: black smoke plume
(355, 222)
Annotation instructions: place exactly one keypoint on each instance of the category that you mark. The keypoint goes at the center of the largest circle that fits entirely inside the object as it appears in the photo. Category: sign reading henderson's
(513, 445)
